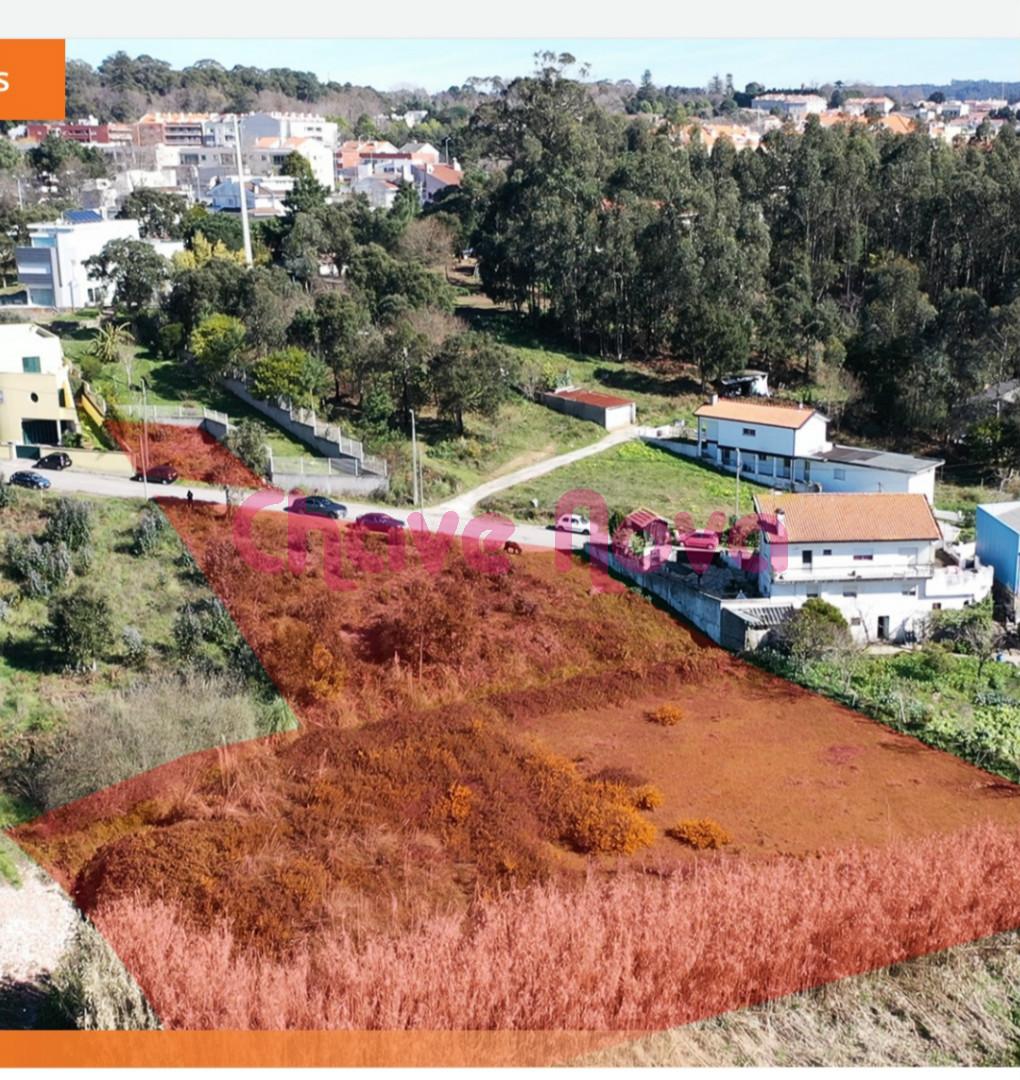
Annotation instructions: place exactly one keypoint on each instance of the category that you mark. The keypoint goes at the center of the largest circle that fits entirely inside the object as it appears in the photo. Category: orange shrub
(667, 715)
(647, 797)
(607, 828)
(460, 796)
(700, 833)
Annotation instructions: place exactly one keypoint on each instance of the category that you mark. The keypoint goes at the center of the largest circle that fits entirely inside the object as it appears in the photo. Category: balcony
(854, 571)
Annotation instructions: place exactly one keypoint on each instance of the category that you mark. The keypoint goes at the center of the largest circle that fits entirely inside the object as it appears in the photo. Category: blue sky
(436, 64)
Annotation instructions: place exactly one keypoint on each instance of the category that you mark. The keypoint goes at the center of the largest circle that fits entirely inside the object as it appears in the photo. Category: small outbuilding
(609, 411)
(998, 546)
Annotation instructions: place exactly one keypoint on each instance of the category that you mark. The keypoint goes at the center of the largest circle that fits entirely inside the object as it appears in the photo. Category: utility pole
(736, 500)
(145, 439)
(414, 461)
(245, 228)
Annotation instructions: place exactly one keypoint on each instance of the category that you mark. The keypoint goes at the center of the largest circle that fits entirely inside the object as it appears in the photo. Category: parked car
(699, 540)
(379, 522)
(159, 474)
(319, 505)
(54, 461)
(573, 523)
(29, 480)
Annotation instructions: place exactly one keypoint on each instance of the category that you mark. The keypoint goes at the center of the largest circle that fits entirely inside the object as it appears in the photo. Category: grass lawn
(627, 476)
(523, 433)
(967, 497)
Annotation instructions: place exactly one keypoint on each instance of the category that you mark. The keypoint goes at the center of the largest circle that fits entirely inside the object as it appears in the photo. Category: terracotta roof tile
(810, 517)
(590, 397)
(785, 416)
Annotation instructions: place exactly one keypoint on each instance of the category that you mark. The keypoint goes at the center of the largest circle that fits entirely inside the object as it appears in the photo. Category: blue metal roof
(82, 217)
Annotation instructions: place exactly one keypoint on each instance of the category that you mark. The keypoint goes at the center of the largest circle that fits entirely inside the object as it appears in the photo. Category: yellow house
(36, 404)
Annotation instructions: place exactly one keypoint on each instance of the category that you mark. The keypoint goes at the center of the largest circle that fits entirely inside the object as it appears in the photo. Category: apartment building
(794, 106)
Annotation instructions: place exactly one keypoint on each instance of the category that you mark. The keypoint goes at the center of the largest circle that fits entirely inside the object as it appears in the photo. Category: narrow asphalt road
(121, 487)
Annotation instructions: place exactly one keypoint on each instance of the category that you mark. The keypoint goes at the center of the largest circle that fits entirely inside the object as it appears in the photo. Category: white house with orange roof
(878, 558)
(787, 446)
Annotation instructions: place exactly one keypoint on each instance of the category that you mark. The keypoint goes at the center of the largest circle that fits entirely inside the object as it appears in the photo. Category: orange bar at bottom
(252, 1049)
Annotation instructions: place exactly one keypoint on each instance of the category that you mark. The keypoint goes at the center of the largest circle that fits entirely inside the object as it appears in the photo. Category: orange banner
(247, 1049)
(31, 78)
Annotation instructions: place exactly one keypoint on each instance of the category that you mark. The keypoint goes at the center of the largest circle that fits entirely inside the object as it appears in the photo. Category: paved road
(119, 487)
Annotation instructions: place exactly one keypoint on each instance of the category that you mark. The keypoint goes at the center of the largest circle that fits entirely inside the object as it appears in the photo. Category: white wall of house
(868, 581)
(834, 476)
(51, 266)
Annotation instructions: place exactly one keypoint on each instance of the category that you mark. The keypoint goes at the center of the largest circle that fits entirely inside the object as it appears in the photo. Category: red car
(159, 474)
(699, 540)
(379, 522)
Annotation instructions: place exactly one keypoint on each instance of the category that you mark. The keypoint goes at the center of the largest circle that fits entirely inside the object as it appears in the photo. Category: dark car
(378, 522)
(54, 461)
(160, 474)
(319, 505)
(29, 480)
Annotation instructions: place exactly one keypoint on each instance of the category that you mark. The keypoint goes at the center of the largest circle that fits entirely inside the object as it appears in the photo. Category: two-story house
(787, 446)
(876, 557)
(36, 404)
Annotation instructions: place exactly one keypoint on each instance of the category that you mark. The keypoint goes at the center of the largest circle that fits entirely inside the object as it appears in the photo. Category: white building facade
(876, 557)
(787, 446)
(51, 266)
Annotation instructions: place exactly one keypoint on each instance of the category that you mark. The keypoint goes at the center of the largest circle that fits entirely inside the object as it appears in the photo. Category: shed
(610, 411)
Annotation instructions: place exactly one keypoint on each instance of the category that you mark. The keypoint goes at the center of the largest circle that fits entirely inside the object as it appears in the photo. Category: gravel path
(36, 923)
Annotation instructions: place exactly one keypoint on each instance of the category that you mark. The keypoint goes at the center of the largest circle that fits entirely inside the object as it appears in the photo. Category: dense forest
(845, 252)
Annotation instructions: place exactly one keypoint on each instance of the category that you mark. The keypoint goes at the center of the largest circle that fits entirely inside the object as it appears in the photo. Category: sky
(392, 63)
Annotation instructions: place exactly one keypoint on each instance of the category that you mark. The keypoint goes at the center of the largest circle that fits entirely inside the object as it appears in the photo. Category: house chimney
(800, 404)
(781, 518)
(714, 399)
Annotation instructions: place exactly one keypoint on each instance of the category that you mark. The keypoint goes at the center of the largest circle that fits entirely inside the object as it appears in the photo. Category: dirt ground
(781, 769)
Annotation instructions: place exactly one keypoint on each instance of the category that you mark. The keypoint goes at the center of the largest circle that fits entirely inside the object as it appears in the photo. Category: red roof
(643, 517)
(589, 397)
(447, 175)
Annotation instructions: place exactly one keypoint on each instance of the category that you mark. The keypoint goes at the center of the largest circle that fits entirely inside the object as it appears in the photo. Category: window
(910, 592)
(750, 431)
(62, 396)
(850, 593)
(826, 551)
(936, 607)
(855, 621)
(864, 556)
(812, 595)
(805, 558)
(839, 474)
(31, 365)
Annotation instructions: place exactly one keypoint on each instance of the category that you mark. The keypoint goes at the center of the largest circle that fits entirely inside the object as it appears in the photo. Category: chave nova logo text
(31, 79)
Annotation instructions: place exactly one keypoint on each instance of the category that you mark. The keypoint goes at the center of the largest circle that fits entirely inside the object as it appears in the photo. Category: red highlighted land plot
(463, 834)
(194, 453)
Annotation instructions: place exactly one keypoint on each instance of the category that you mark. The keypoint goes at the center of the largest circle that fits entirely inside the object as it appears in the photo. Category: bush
(70, 523)
(92, 990)
(81, 626)
(248, 442)
(40, 567)
(700, 833)
(118, 735)
(151, 528)
(135, 650)
(667, 715)
(815, 631)
(7, 496)
(601, 827)
(647, 797)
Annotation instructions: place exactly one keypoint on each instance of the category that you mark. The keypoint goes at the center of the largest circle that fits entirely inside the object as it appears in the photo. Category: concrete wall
(366, 484)
(284, 419)
(611, 418)
(107, 462)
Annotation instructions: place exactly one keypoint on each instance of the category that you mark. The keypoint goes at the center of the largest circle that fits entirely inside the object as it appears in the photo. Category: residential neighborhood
(451, 521)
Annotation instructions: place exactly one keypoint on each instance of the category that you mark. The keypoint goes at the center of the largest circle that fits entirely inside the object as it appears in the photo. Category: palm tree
(111, 345)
